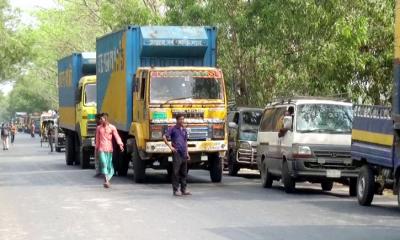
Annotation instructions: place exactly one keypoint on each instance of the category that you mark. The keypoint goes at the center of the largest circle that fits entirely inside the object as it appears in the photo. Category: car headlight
(218, 131)
(245, 145)
(301, 151)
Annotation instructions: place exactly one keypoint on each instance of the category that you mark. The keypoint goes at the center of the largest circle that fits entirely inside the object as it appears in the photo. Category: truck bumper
(194, 146)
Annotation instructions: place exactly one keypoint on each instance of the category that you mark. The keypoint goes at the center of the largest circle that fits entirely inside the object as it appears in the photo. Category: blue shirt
(178, 136)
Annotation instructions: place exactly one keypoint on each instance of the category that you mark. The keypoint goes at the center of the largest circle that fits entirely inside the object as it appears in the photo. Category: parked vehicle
(59, 139)
(242, 136)
(77, 110)
(148, 75)
(306, 140)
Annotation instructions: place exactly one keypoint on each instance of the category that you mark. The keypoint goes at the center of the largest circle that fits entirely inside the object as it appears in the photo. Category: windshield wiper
(174, 99)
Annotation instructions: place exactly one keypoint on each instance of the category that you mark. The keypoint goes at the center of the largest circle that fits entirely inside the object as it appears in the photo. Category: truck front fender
(136, 130)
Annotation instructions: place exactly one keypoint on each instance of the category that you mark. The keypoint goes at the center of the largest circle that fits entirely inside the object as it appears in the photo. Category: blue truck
(77, 106)
(146, 75)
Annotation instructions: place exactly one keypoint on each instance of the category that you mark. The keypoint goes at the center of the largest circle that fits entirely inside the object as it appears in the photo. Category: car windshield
(90, 95)
(324, 118)
(183, 85)
(249, 126)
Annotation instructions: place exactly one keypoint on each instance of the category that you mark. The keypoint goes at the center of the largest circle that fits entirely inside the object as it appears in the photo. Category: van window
(271, 119)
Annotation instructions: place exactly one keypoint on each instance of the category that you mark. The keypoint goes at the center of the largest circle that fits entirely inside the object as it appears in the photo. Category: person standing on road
(179, 148)
(96, 157)
(5, 132)
(33, 129)
(13, 132)
(104, 147)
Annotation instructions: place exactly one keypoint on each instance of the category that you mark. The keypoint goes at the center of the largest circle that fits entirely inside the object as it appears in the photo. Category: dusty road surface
(42, 198)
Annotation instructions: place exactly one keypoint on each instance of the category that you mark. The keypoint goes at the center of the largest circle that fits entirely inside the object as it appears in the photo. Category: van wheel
(327, 185)
(69, 150)
(139, 166)
(288, 182)
(215, 166)
(266, 177)
(365, 186)
(353, 187)
(233, 168)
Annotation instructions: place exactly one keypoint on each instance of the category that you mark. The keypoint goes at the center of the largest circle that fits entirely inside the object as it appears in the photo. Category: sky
(26, 6)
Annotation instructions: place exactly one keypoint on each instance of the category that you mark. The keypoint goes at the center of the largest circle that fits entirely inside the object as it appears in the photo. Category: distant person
(5, 133)
(51, 135)
(104, 147)
(13, 132)
(180, 155)
(33, 129)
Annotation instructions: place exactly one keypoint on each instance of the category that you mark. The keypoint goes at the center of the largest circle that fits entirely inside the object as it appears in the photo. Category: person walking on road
(179, 148)
(33, 129)
(104, 147)
(51, 135)
(5, 133)
(13, 133)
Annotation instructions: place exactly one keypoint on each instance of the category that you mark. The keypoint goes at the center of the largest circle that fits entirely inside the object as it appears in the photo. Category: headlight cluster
(218, 131)
(157, 132)
(245, 145)
(301, 151)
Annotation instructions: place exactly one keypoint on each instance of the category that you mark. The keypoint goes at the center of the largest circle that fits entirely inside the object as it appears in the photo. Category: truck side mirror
(287, 122)
(232, 125)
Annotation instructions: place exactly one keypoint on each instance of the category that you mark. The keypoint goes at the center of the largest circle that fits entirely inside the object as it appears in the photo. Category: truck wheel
(69, 150)
(365, 186)
(353, 187)
(233, 168)
(266, 177)
(85, 157)
(215, 165)
(123, 164)
(288, 182)
(327, 185)
(139, 166)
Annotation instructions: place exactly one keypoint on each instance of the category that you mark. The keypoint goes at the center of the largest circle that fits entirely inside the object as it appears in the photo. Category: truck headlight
(156, 132)
(301, 151)
(218, 131)
(245, 145)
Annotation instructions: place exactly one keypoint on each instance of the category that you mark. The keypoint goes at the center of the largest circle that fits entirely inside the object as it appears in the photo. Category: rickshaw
(46, 120)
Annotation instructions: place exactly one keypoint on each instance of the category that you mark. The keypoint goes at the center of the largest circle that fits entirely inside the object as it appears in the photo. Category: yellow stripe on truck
(371, 137)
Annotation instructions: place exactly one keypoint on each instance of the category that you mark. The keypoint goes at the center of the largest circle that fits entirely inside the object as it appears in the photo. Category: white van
(306, 140)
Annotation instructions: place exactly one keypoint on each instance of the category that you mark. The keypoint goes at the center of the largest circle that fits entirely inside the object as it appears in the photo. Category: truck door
(139, 113)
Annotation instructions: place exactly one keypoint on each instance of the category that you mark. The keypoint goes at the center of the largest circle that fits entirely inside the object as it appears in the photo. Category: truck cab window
(143, 85)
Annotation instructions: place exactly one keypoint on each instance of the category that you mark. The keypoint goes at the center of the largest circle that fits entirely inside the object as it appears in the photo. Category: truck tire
(85, 157)
(215, 167)
(266, 177)
(365, 186)
(139, 166)
(327, 185)
(288, 182)
(233, 168)
(353, 187)
(69, 150)
(123, 163)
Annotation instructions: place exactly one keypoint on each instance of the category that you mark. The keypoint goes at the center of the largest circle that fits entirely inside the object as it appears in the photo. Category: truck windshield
(184, 86)
(90, 95)
(249, 125)
(324, 118)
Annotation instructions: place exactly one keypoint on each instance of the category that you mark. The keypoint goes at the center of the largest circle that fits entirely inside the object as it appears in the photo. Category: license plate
(169, 159)
(204, 158)
(333, 173)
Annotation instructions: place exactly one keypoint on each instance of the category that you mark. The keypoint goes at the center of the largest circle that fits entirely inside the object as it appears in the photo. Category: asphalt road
(42, 198)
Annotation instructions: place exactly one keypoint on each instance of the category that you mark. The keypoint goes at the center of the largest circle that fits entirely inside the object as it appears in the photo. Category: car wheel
(233, 168)
(139, 166)
(215, 167)
(266, 177)
(288, 182)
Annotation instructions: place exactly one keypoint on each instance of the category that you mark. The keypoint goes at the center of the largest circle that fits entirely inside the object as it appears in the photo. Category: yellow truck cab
(77, 110)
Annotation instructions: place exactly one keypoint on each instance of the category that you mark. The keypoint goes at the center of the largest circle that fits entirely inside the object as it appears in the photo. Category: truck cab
(243, 126)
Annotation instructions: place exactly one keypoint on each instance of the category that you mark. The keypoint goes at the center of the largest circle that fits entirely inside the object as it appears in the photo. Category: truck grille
(247, 155)
(91, 128)
(197, 132)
